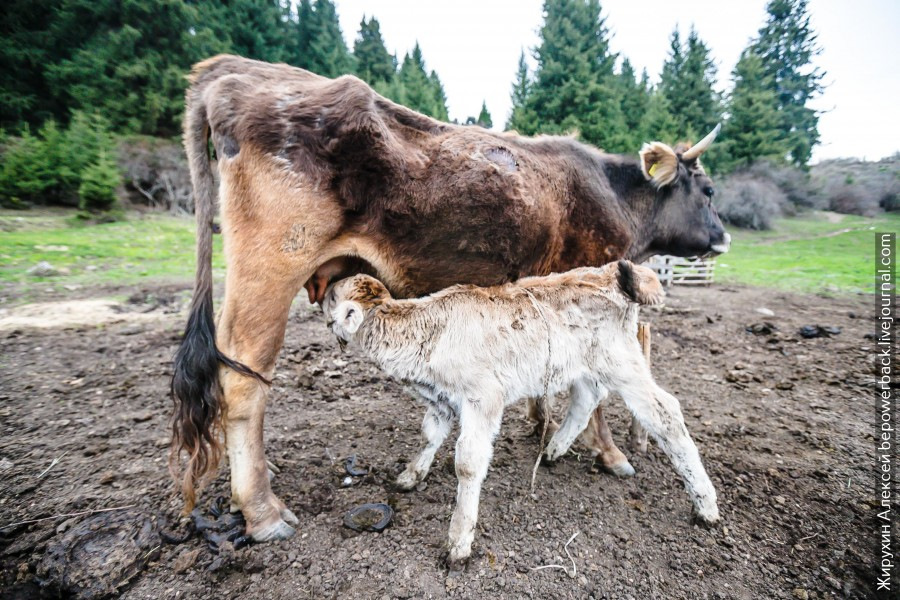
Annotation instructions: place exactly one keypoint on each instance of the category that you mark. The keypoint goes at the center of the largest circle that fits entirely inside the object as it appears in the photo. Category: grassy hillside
(143, 248)
(817, 252)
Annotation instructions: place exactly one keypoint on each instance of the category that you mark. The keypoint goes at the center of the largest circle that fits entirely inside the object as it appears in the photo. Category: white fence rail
(675, 270)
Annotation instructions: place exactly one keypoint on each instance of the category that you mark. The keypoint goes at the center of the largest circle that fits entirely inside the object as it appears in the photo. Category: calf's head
(686, 220)
(347, 302)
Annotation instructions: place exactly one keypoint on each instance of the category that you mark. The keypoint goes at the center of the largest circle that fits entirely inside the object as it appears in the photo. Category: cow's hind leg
(251, 330)
(599, 440)
(435, 427)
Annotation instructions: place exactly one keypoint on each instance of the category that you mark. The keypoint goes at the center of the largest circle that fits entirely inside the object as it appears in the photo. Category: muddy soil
(784, 424)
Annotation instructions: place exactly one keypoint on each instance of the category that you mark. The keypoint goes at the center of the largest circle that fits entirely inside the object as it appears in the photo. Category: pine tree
(414, 88)
(634, 97)
(124, 59)
(320, 44)
(687, 81)
(440, 97)
(259, 29)
(753, 130)
(484, 117)
(787, 46)
(373, 61)
(658, 123)
(99, 182)
(519, 118)
(573, 87)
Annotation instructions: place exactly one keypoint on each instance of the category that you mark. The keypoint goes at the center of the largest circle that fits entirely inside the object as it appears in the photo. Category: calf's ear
(659, 163)
(350, 315)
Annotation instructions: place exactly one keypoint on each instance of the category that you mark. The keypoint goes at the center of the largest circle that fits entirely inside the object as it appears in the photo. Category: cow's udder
(332, 270)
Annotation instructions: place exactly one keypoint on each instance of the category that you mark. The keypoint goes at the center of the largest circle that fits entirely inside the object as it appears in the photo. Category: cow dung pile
(101, 555)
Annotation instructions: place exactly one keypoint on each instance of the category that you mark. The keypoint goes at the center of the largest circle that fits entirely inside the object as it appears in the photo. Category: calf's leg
(435, 427)
(660, 414)
(584, 397)
(479, 422)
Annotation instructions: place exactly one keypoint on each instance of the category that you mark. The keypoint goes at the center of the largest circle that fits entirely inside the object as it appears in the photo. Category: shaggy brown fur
(326, 174)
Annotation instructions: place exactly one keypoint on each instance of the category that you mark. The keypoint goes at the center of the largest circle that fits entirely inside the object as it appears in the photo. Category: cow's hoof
(277, 530)
(622, 469)
(615, 462)
(289, 517)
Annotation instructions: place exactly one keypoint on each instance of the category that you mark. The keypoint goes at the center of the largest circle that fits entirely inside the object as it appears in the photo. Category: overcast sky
(474, 46)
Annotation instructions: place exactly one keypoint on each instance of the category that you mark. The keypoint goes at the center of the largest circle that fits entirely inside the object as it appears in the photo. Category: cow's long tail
(196, 390)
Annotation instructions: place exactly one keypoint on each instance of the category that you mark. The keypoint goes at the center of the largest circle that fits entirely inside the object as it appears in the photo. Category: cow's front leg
(539, 409)
(251, 330)
(479, 422)
(435, 427)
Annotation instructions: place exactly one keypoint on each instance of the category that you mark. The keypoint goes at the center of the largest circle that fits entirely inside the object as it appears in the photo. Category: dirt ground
(784, 426)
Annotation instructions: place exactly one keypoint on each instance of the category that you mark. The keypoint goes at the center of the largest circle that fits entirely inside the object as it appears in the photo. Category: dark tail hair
(636, 287)
(196, 391)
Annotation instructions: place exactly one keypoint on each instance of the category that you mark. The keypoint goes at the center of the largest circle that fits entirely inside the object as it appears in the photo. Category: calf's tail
(196, 391)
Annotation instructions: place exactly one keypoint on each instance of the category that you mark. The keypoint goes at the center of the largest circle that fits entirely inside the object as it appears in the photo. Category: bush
(49, 168)
(747, 201)
(851, 199)
(98, 184)
(156, 173)
(795, 184)
(858, 187)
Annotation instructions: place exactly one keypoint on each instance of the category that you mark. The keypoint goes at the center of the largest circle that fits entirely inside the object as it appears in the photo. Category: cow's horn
(702, 146)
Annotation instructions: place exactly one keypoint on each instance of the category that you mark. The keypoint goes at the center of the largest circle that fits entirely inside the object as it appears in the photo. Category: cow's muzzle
(723, 246)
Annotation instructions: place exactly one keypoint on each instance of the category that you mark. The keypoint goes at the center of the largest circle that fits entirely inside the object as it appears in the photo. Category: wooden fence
(674, 270)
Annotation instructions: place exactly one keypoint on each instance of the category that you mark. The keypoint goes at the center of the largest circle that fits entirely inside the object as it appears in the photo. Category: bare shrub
(156, 173)
(795, 184)
(858, 187)
(748, 201)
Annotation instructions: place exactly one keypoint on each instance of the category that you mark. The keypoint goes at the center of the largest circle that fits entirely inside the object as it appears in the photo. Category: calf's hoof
(708, 516)
(409, 479)
(456, 563)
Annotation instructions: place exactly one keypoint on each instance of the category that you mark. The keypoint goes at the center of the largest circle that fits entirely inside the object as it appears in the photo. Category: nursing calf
(469, 351)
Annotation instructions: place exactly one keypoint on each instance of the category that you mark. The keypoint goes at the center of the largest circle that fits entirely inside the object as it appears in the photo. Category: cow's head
(687, 222)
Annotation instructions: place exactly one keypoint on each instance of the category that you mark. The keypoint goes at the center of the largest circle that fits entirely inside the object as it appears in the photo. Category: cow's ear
(659, 163)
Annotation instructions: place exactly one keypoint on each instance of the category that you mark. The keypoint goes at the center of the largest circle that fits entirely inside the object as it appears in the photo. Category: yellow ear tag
(652, 170)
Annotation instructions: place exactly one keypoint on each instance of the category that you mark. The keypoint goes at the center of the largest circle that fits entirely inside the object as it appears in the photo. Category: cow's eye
(709, 191)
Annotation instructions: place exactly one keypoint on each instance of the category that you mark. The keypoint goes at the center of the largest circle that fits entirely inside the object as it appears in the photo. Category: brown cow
(322, 178)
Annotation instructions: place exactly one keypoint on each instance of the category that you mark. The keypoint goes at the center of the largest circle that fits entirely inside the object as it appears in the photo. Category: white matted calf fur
(468, 351)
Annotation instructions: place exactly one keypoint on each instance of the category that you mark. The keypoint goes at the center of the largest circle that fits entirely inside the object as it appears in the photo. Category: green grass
(815, 252)
(142, 248)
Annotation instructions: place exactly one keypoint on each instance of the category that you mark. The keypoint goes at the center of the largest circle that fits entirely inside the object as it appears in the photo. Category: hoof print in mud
(100, 556)
(224, 527)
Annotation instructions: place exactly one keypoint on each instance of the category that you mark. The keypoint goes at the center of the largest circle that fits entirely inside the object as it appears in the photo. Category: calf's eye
(708, 191)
